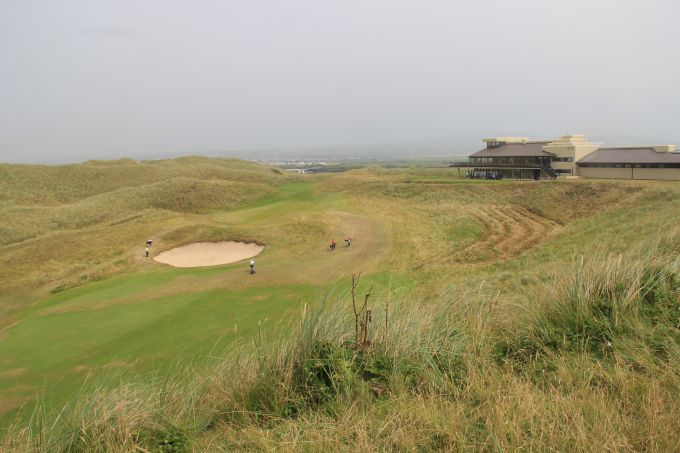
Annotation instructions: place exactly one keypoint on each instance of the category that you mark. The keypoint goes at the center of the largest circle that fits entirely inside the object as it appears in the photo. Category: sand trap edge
(206, 254)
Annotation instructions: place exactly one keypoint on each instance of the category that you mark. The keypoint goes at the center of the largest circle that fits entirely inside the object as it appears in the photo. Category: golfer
(252, 266)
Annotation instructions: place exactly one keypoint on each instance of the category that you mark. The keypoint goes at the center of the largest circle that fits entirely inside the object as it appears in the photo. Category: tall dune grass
(596, 368)
(605, 302)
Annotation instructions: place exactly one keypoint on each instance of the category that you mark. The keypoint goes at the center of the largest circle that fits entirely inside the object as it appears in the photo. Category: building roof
(642, 155)
(529, 149)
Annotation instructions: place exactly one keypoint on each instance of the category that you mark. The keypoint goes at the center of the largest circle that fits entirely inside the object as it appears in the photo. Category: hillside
(64, 225)
(504, 315)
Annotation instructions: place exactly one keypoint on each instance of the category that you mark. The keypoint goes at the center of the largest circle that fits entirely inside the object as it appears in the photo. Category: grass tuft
(607, 306)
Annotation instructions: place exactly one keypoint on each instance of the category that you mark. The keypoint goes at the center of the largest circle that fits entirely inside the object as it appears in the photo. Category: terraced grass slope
(80, 303)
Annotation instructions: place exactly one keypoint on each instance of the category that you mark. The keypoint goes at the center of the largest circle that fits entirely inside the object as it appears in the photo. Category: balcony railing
(495, 165)
(528, 166)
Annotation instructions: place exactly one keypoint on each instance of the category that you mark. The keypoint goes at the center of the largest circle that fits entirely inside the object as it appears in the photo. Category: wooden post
(355, 282)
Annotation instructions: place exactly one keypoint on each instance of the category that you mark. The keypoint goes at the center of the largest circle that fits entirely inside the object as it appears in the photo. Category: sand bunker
(209, 253)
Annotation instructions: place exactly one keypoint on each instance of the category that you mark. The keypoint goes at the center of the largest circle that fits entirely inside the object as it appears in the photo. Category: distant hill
(55, 184)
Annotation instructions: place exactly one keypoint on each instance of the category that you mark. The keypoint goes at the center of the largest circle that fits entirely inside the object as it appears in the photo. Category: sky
(86, 79)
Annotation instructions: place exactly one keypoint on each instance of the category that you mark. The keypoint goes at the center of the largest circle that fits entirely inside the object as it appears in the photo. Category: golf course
(500, 312)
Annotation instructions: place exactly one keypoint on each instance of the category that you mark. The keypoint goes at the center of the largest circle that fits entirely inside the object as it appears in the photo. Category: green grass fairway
(152, 316)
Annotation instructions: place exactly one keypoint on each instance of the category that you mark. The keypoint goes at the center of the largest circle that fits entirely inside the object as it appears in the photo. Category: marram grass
(597, 368)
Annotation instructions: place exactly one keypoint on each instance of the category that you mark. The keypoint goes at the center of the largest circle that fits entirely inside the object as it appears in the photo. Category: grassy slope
(65, 225)
(417, 228)
(135, 318)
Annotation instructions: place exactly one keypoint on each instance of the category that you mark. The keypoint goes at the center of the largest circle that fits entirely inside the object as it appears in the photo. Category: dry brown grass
(66, 225)
(444, 384)
(482, 358)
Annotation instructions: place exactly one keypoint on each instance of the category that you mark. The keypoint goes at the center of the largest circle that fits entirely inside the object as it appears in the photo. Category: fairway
(152, 316)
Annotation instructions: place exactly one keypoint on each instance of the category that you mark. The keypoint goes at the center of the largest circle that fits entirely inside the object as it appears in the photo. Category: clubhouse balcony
(522, 159)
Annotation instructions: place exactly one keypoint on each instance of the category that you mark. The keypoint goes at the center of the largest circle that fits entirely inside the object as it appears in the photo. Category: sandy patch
(209, 253)
(17, 372)
(106, 366)
(9, 404)
(14, 397)
(118, 364)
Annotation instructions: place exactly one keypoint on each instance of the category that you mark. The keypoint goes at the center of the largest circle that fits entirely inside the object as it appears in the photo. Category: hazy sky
(86, 79)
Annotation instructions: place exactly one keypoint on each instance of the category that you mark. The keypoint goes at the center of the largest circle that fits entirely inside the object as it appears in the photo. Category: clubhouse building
(570, 156)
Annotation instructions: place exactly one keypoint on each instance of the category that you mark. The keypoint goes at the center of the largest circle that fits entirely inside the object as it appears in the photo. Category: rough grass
(54, 185)
(541, 321)
(314, 368)
(54, 289)
(597, 368)
(63, 226)
(81, 197)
